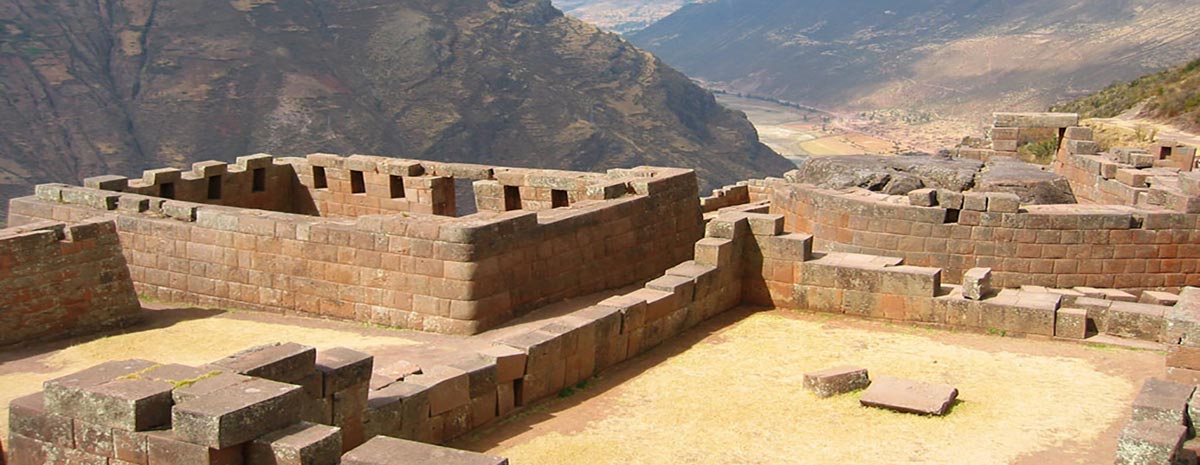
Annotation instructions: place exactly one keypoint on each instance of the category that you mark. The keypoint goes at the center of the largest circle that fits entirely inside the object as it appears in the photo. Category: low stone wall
(1047, 245)
(427, 272)
(59, 280)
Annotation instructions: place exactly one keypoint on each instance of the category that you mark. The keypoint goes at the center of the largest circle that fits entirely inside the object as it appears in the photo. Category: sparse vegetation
(1040, 152)
(1172, 96)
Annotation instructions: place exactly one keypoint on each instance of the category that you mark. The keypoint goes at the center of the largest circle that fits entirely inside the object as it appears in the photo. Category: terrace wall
(59, 280)
(427, 272)
(1060, 246)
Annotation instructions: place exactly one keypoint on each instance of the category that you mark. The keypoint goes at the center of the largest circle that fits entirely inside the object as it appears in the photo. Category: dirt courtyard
(730, 392)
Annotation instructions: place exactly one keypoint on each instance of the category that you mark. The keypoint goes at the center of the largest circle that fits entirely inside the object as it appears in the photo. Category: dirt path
(1163, 131)
(729, 392)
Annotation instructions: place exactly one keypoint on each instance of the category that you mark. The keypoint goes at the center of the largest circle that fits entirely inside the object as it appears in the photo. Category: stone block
(237, 414)
(977, 283)
(1136, 321)
(448, 387)
(1004, 145)
(343, 368)
(1082, 147)
(1163, 401)
(1002, 202)
(510, 362)
(792, 246)
(299, 444)
(283, 362)
(400, 409)
(910, 281)
(909, 396)
(205, 384)
(1117, 295)
(1180, 357)
(481, 374)
(1159, 298)
(1132, 177)
(1070, 323)
(923, 197)
(975, 201)
(391, 451)
(1142, 160)
(27, 416)
(949, 199)
(112, 394)
(1079, 133)
(714, 252)
(106, 182)
(835, 381)
(1149, 443)
(165, 448)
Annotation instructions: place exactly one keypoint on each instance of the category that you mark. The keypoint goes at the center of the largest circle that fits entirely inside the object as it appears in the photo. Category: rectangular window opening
(358, 183)
(1164, 153)
(260, 180)
(166, 190)
(319, 179)
(214, 187)
(512, 198)
(396, 184)
(559, 198)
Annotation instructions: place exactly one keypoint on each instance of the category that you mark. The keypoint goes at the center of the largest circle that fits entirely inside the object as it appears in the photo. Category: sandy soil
(730, 392)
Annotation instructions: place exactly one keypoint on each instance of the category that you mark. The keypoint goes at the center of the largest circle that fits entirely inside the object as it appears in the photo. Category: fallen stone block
(383, 450)
(112, 394)
(1163, 401)
(1149, 442)
(449, 388)
(400, 410)
(299, 444)
(510, 362)
(1136, 321)
(835, 381)
(1070, 323)
(909, 396)
(1159, 298)
(286, 362)
(977, 283)
(343, 368)
(237, 414)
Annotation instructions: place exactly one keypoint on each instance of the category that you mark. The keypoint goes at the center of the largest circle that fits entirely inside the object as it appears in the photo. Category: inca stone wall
(409, 270)
(59, 280)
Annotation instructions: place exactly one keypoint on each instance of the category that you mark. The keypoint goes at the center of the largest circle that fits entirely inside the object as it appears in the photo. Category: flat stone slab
(300, 444)
(909, 396)
(1162, 401)
(238, 413)
(835, 381)
(114, 394)
(285, 362)
(1149, 442)
(382, 450)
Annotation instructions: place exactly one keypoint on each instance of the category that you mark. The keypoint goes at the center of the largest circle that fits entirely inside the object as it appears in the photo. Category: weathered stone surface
(448, 387)
(909, 396)
(1136, 321)
(977, 283)
(1149, 443)
(1163, 401)
(238, 413)
(283, 362)
(166, 448)
(299, 444)
(837, 380)
(390, 451)
(1003, 202)
(27, 416)
(112, 394)
(342, 368)
(1030, 183)
(510, 362)
(207, 384)
(1071, 323)
(923, 197)
(890, 175)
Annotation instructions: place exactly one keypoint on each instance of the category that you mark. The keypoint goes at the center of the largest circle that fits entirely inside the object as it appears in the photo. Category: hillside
(1171, 97)
(117, 87)
(621, 16)
(931, 58)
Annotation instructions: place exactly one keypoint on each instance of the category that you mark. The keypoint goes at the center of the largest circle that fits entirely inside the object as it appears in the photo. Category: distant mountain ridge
(949, 56)
(89, 88)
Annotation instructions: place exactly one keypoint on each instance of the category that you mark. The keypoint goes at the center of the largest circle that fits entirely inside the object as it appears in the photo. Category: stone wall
(59, 280)
(409, 270)
(1049, 245)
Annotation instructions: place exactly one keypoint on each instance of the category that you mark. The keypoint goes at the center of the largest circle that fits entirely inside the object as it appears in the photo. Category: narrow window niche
(358, 183)
(396, 185)
(559, 198)
(259, 181)
(319, 179)
(166, 190)
(512, 198)
(214, 187)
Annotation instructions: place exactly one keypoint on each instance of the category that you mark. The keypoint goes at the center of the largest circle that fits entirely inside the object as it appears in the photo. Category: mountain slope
(117, 86)
(620, 15)
(949, 56)
(1171, 96)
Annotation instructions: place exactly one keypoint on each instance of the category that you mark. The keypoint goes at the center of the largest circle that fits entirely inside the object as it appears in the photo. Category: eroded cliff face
(117, 86)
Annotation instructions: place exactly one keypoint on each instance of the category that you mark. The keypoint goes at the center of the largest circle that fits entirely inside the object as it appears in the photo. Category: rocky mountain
(1171, 96)
(620, 15)
(943, 57)
(117, 86)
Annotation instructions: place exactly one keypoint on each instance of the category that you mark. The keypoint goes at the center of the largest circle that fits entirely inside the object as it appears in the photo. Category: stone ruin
(380, 241)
